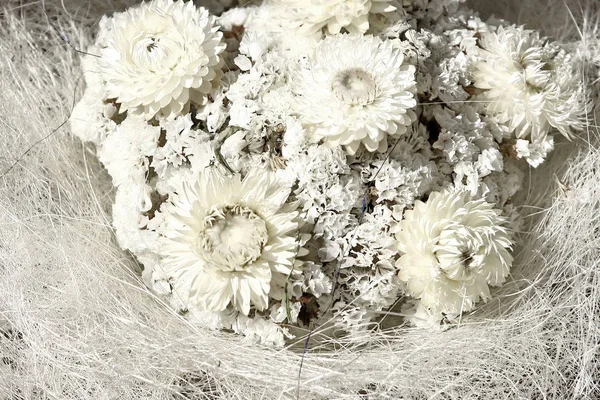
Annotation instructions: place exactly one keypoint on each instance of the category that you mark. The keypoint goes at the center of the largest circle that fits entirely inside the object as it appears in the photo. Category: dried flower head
(229, 242)
(334, 15)
(531, 84)
(356, 89)
(453, 248)
(159, 57)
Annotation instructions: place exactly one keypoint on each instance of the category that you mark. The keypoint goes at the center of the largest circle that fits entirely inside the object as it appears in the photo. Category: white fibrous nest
(355, 199)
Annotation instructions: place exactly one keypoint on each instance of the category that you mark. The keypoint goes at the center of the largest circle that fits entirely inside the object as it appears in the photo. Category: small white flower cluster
(291, 162)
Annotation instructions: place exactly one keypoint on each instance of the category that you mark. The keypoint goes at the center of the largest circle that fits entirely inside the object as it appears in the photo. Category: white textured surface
(77, 323)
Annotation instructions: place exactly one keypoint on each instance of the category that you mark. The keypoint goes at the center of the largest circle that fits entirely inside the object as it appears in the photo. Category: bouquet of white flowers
(292, 163)
(324, 199)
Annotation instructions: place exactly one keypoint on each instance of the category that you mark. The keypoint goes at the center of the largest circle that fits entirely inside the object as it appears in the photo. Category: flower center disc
(458, 252)
(156, 52)
(233, 237)
(354, 86)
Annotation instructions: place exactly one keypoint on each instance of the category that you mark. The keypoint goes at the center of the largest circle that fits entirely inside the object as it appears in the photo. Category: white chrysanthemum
(453, 248)
(356, 89)
(160, 56)
(335, 15)
(230, 241)
(531, 84)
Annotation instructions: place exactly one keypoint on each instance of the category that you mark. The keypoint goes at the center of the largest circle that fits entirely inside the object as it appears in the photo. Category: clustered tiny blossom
(289, 162)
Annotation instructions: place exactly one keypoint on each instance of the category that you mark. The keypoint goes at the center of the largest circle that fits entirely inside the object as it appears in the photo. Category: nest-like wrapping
(76, 322)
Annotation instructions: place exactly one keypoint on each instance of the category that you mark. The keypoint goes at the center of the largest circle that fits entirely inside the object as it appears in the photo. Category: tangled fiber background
(77, 323)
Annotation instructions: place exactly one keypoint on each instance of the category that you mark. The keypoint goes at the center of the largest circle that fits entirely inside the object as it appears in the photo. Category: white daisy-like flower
(159, 57)
(229, 241)
(356, 89)
(312, 16)
(453, 248)
(530, 83)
